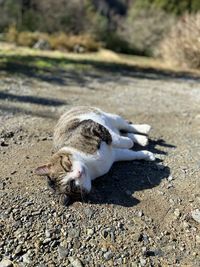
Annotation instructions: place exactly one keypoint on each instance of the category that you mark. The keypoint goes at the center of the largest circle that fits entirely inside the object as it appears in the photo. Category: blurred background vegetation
(168, 29)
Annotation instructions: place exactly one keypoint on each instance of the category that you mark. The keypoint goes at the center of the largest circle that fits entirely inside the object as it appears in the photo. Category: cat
(87, 141)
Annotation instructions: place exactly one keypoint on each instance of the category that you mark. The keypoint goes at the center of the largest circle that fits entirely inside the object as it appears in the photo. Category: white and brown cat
(87, 142)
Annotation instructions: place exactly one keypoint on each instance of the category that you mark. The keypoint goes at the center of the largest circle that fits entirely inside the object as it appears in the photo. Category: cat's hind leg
(137, 138)
(128, 155)
(123, 125)
(119, 141)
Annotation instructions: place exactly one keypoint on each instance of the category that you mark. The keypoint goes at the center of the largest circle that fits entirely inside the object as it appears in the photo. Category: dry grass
(181, 47)
(64, 42)
(60, 41)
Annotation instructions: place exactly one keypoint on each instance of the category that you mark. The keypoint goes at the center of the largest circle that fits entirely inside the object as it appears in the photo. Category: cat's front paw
(145, 128)
(149, 156)
(141, 140)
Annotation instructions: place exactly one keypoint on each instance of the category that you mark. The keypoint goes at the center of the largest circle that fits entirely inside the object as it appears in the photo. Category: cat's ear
(43, 170)
(65, 162)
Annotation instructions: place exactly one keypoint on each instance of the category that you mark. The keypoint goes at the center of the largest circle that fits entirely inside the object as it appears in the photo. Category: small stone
(18, 249)
(169, 186)
(26, 258)
(140, 213)
(47, 234)
(6, 263)
(90, 231)
(108, 255)
(196, 215)
(170, 178)
(142, 262)
(177, 213)
(198, 239)
(46, 241)
(88, 212)
(75, 262)
(2, 186)
(62, 252)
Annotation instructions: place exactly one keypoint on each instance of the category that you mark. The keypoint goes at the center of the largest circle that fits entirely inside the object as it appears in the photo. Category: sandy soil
(140, 213)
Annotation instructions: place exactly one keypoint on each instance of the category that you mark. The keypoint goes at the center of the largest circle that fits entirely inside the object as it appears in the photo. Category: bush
(181, 47)
(143, 29)
(79, 43)
(60, 41)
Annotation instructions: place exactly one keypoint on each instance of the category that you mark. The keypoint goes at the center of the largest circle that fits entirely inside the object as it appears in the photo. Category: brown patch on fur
(68, 122)
(85, 136)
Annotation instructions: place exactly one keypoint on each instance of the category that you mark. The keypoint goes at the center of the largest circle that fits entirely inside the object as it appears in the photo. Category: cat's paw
(145, 128)
(130, 143)
(149, 156)
(141, 140)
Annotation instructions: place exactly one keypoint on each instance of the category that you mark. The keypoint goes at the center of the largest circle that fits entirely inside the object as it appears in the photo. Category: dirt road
(140, 213)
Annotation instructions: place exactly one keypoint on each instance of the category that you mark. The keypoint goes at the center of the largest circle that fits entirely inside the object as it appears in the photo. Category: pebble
(88, 212)
(6, 263)
(90, 231)
(108, 255)
(62, 252)
(143, 262)
(2, 185)
(140, 213)
(177, 213)
(46, 241)
(196, 215)
(47, 234)
(75, 262)
(170, 178)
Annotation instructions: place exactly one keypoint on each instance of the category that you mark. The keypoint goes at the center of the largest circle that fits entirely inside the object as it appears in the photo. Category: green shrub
(143, 29)
(181, 47)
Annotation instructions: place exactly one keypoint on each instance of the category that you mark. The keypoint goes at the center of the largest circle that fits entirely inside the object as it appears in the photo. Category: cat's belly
(100, 163)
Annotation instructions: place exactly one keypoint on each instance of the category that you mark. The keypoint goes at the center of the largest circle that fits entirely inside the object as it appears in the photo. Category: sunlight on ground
(51, 59)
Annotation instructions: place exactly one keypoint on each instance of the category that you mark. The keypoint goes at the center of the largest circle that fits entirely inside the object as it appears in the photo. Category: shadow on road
(9, 106)
(65, 71)
(125, 178)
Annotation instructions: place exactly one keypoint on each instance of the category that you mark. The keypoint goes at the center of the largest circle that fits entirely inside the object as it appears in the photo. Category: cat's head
(66, 175)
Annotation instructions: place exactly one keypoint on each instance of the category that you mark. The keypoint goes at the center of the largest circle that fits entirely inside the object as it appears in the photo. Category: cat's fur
(87, 141)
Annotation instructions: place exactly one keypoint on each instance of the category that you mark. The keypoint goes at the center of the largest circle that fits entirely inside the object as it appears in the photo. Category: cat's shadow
(118, 186)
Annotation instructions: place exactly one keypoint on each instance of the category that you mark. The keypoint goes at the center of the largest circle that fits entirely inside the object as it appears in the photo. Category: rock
(62, 252)
(18, 249)
(74, 233)
(2, 186)
(6, 263)
(140, 213)
(46, 241)
(79, 48)
(170, 186)
(142, 262)
(47, 233)
(108, 255)
(90, 231)
(196, 215)
(75, 262)
(170, 178)
(177, 213)
(88, 212)
(26, 258)
(42, 45)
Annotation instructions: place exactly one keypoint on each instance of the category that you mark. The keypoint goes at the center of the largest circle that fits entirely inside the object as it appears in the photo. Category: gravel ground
(140, 213)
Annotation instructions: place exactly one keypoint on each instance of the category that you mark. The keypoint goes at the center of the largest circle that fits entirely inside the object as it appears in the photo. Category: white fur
(87, 167)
